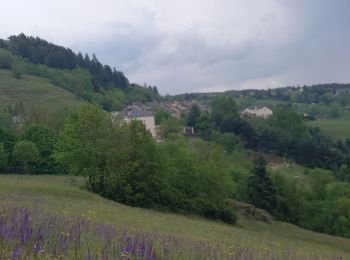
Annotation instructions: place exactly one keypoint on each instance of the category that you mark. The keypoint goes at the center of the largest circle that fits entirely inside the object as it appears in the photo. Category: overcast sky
(198, 45)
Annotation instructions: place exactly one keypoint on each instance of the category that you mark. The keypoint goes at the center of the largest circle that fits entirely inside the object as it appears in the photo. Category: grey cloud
(291, 42)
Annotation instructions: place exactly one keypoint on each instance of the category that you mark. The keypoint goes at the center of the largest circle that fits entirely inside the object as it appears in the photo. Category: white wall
(148, 121)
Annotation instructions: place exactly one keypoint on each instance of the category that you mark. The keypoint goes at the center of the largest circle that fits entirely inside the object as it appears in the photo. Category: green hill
(40, 97)
(62, 196)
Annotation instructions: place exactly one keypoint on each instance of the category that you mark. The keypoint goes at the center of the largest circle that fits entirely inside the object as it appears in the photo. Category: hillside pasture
(336, 128)
(187, 237)
(41, 99)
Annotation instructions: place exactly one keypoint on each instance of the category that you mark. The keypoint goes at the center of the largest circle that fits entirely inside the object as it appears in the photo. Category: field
(59, 200)
(336, 129)
(37, 94)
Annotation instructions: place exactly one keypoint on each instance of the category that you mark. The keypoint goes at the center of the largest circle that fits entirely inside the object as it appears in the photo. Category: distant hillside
(42, 100)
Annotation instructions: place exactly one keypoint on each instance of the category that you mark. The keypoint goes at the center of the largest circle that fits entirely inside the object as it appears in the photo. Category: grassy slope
(35, 93)
(337, 128)
(62, 195)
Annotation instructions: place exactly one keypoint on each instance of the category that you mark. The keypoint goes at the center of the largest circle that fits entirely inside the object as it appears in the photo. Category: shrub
(26, 154)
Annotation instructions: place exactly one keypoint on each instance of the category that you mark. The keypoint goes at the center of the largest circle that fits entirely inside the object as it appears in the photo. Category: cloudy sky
(198, 45)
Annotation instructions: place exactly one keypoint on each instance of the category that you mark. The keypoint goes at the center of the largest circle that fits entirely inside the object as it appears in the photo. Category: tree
(119, 159)
(6, 59)
(160, 116)
(204, 126)
(5, 118)
(134, 173)
(261, 190)
(26, 153)
(227, 140)
(82, 146)
(193, 115)
(169, 126)
(224, 113)
(46, 140)
(288, 123)
(3, 157)
(320, 179)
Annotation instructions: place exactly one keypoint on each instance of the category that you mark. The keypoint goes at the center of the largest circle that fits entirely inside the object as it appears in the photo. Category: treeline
(31, 152)
(284, 134)
(39, 51)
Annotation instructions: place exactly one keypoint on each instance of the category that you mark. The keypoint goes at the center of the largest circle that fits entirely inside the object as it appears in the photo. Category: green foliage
(26, 154)
(46, 140)
(193, 115)
(161, 116)
(224, 113)
(18, 68)
(111, 100)
(196, 178)
(170, 126)
(5, 118)
(289, 123)
(261, 192)
(6, 59)
(140, 94)
(133, 172)
(83, 140)
(3, 157)
(90, 81)
(320, 179)
(204, 126)
(228, 141)
(38, 51)
(123, 162)
(120, 160)
(315, 201)
(8, 139)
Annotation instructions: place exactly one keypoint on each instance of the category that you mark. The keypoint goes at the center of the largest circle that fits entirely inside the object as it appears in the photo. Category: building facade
(145, 116)
(263, 112)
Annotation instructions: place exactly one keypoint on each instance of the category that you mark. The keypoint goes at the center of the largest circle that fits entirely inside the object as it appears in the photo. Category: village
(145, 114)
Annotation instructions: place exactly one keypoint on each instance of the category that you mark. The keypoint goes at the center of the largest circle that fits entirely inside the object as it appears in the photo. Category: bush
(6, 59)
(26, 154)
(3, 157)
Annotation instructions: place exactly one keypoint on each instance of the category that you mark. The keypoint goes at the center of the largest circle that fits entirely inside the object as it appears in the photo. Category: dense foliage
(38, 51)
(123, 162)
(315, 200)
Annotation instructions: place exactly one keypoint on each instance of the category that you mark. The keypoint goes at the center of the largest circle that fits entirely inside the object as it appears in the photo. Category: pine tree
(261, 190)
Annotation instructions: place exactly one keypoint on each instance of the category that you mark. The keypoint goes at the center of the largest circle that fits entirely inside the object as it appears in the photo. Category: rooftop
(135, 113)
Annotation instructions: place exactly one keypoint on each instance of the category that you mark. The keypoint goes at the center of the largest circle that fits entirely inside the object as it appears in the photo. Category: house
(145, 116)
(263, 112)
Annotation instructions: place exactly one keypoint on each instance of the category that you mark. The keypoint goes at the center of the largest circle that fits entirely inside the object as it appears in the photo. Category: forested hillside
(85, 77)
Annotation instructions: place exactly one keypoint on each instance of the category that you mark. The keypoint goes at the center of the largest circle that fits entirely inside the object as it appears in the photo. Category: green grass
(336, 129)
(37, 94)
(62, 195)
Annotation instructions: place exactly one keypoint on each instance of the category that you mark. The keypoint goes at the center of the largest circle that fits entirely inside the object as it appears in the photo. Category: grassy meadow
(337, 128)
(187, 237)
